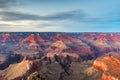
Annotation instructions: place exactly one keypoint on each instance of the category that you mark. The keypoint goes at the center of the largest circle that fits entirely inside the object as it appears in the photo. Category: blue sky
(60, 15)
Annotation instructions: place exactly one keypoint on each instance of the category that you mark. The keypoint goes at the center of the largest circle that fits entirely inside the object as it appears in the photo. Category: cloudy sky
(60, 15)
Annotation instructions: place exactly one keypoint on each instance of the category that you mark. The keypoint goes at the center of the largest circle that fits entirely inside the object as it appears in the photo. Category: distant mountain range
(68, 56)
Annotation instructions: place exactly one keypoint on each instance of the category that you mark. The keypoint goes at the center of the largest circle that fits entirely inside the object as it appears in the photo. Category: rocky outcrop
(10, 59)
(33, 43)
(62, 37)
(36, 76)
(21, 70)
(16, 70)
(102, 42)
(32, 38)
(109, 65)
(6, 38)
(107, 77)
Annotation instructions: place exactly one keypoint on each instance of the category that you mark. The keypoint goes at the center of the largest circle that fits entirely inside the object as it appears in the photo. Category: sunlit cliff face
(17, 70)
(109, 65)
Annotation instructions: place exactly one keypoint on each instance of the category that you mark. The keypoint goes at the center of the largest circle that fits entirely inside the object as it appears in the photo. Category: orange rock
(100, 65)
(109, 65)
(105, 77)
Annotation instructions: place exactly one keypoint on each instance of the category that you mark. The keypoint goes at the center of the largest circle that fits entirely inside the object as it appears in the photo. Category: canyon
(59, 56)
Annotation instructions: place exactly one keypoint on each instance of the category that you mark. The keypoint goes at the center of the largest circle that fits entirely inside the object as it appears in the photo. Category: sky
(59, 15)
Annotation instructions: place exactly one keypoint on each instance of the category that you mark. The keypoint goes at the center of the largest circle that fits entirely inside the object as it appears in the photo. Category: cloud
(29, 25)
(8, 16)
(71, 15)
(74, 15)
(6, 3)
(12, 28)
(78, 16)
(17, 21)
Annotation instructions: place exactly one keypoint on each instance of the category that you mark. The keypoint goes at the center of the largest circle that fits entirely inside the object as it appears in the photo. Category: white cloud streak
(28, 25)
